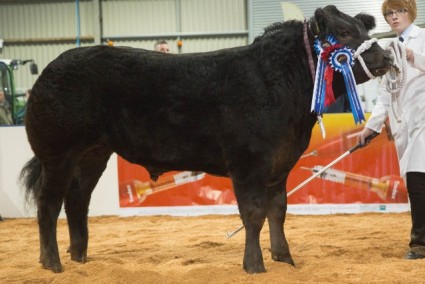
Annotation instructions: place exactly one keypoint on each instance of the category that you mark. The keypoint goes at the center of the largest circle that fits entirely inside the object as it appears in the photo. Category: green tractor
(15, 102)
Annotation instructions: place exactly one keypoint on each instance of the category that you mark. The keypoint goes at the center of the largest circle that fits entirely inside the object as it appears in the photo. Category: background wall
(42, 29)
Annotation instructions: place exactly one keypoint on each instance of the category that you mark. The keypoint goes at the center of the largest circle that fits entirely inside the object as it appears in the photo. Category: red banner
(368, 175)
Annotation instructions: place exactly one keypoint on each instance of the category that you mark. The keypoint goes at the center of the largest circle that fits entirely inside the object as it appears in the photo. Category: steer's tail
(29, 176)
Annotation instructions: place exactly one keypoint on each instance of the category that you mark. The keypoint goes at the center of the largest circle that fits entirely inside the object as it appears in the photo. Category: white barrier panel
(15, 151)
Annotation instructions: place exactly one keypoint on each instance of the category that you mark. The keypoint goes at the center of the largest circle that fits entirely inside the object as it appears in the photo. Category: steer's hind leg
(277, 205)
(252, 207)
(50, 191)
(86, 176)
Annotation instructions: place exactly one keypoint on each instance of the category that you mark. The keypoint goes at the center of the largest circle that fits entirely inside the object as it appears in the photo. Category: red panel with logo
(368, 175)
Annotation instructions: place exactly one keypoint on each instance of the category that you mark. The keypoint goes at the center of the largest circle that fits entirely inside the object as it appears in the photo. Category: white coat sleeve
(380, 110)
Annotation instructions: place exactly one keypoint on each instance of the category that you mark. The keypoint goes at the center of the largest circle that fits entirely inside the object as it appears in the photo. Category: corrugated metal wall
(262, 14)
(202, 25)
(43, 29)
(135, 18)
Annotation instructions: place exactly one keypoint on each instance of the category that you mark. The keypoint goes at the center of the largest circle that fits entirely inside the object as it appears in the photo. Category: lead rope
(396, 77)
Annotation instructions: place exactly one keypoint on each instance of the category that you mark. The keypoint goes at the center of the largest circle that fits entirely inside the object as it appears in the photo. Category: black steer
(241, 112)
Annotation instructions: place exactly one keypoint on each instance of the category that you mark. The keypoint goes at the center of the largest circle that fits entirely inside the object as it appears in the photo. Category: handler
(406, 114)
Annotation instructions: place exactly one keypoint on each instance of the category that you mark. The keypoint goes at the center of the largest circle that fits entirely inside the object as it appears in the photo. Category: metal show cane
(318, 173)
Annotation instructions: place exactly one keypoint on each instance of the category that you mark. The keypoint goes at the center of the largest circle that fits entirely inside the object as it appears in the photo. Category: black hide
(242, 112)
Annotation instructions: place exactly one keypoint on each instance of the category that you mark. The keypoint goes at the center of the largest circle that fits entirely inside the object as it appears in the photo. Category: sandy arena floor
(361, 248)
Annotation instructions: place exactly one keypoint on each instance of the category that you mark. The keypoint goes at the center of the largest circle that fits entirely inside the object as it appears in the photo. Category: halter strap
(312, 71)
(309, 53)
(362, 48)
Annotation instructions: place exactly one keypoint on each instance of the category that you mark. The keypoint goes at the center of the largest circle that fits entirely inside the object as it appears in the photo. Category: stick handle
(367, 140)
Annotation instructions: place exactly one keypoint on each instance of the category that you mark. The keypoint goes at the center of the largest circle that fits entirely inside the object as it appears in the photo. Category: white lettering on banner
(130, 194)
(394, 193)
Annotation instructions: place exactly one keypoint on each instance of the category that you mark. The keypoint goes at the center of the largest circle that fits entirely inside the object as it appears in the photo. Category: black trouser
(416, 189)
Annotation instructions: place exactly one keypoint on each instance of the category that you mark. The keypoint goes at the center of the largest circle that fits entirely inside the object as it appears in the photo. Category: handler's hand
(362, 136)
(410, 56)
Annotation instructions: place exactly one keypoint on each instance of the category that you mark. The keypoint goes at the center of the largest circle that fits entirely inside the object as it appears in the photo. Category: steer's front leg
(252, 204)
(277, 205)
(253, 258)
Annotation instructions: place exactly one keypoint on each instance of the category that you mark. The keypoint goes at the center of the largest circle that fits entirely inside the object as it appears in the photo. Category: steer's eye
(344, 34)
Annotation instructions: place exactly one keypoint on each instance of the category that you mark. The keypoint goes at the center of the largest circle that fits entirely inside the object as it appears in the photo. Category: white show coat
(407, 123)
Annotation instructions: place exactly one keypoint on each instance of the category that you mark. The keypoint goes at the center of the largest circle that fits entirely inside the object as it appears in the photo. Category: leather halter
(309, 53)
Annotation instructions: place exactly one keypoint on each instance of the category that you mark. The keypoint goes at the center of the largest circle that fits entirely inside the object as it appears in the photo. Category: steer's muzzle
(383, 66)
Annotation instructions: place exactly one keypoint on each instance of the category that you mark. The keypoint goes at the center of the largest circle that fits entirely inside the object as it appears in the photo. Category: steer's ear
(324, 20)
(367, 20)
(318, 22)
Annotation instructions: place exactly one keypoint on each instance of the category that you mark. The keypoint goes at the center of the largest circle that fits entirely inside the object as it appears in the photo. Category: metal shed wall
(202, 25)
(42, 29)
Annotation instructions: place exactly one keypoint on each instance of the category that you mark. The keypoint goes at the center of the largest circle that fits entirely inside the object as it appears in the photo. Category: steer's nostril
(388, 57)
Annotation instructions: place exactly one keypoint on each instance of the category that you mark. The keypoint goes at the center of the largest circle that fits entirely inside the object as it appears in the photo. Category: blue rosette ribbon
(341, 60)
(318, 101)
(319, 91)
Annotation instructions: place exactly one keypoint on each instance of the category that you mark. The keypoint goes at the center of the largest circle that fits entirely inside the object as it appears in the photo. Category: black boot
(416, 188)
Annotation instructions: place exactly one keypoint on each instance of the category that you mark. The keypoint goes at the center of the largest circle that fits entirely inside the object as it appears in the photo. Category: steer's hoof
(287, 259)
(80, 259)
(254, 269)
(51, 264)
(78, 254)
(56, 268)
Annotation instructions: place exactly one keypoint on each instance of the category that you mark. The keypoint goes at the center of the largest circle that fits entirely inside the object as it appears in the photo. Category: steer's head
(352, 32)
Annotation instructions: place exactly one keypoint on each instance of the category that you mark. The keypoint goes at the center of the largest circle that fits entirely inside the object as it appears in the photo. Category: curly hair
(410, 5)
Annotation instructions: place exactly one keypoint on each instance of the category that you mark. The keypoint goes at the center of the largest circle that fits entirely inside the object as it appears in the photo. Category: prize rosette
(341, 60)
(341, 57)
(333, 56)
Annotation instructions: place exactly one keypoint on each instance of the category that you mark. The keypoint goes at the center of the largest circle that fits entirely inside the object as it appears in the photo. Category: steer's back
(151, 108)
